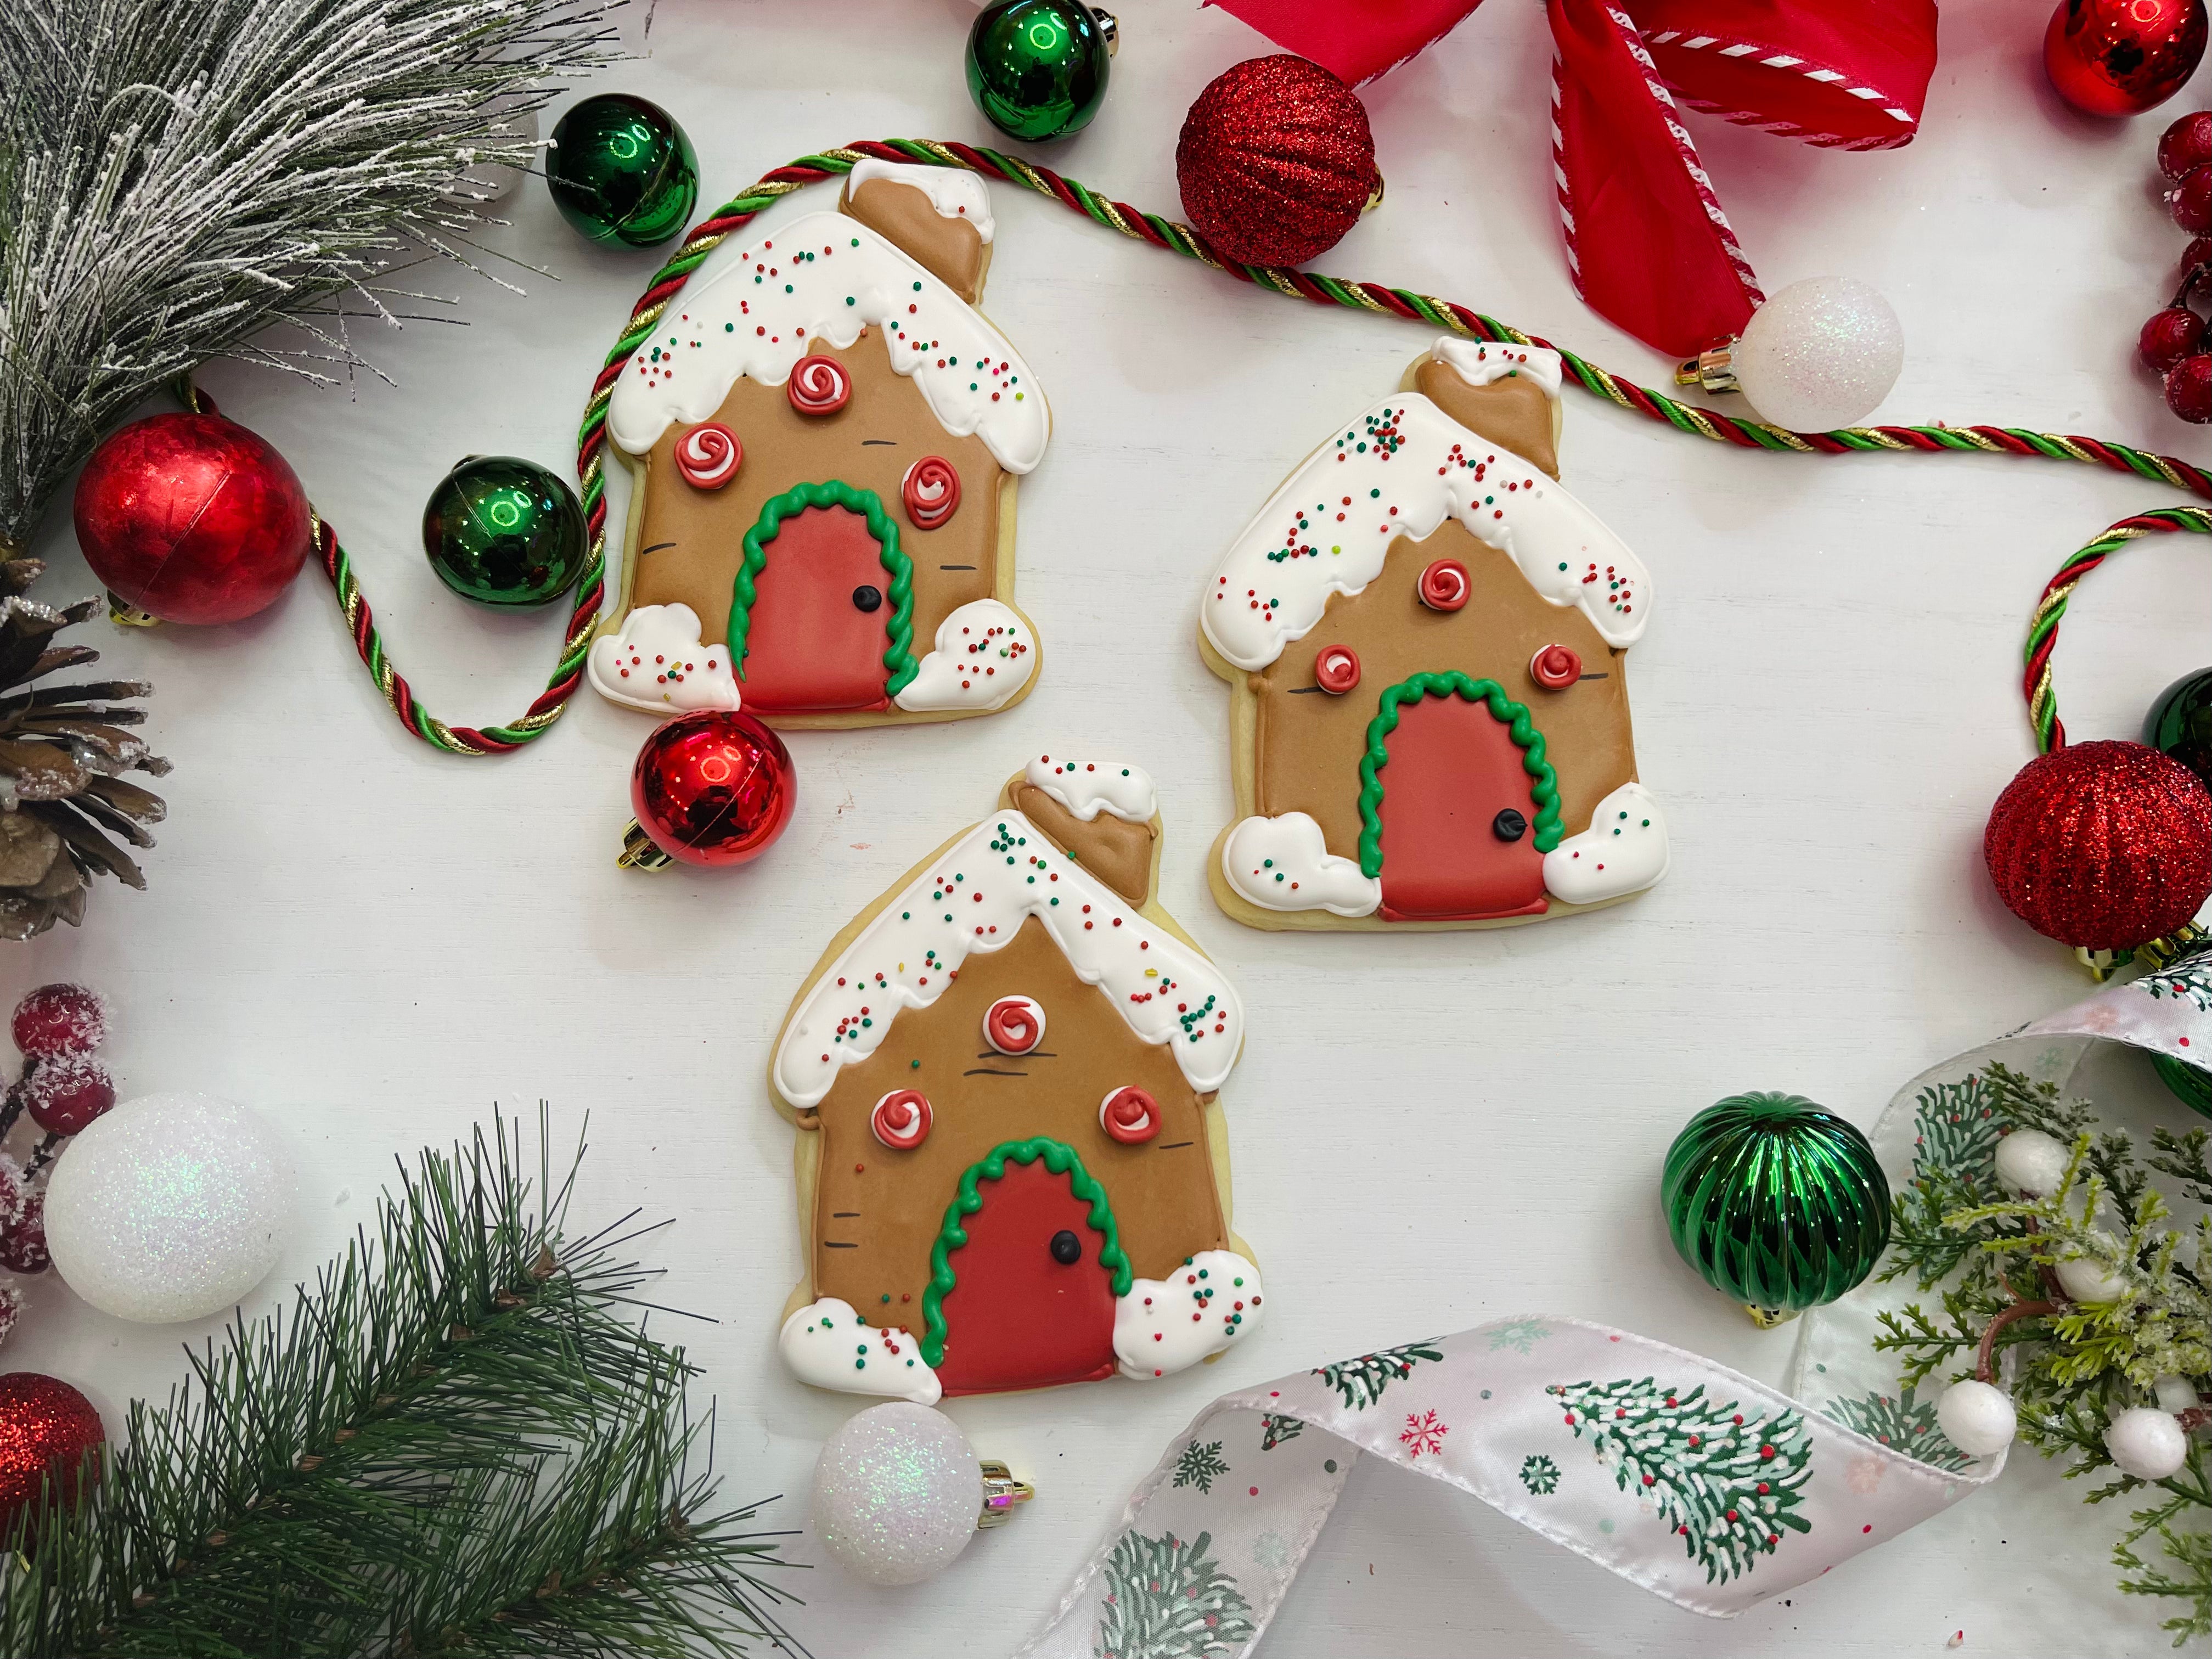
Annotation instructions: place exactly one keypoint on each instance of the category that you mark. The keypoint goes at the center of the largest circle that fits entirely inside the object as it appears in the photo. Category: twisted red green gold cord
(1427, 309)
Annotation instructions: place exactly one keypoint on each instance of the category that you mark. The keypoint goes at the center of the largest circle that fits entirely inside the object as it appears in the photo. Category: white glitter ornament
(2147, 1442)
(170, 1208)
(1820, 355)
(1977, 1418)
(899, 1492)
(2032, 1162)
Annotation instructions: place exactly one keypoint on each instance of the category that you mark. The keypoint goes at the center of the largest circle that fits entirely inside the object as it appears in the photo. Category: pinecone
(63, 750)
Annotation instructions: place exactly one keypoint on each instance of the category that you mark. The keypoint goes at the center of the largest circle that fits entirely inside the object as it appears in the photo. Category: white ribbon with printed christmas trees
(1692, 1480)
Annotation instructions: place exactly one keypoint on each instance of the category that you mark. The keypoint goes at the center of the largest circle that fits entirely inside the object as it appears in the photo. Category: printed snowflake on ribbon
(1522, 1336)
(1361, 1381)
(1424, 1432)
(1541, 1475)
(1728, 1480)
(1169, 1600)
(1201, 1466)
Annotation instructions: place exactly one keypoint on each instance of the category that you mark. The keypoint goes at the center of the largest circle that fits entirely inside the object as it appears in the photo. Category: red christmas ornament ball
(192, 518)
(2102, 846)
(713, 787)
(2123, 56)
(1276, 161)
(64, 1096)
(46, 1427)
(59, 1019)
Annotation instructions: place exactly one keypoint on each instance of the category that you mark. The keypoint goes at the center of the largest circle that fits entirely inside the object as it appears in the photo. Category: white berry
(2147, 1442)
(2032, 1162)
(2087, 1279)
(1977, 1418)
(2175, 1394)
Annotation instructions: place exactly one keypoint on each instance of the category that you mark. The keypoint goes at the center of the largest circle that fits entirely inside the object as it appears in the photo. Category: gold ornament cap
(1001, 1492)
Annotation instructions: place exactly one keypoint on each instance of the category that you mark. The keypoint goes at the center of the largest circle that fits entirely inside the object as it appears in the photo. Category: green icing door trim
(898, 661)
(1545, 790)
(1060, 1158)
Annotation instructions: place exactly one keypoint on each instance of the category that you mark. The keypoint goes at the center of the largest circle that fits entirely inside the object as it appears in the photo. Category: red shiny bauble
(713, 787)
(2123, 56)
(46, 1427)
(1276, 161)
(2102, 846)
(2189, 388)
(191, 519)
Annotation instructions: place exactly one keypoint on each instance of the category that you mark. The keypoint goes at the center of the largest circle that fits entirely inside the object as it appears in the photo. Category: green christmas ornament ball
(1776, 1202)
(505, 531)
(621, 171)
(1037, 68)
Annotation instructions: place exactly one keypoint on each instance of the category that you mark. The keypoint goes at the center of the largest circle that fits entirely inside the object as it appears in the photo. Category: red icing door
(1453, 792)
(1030, 1306)
(820, 618)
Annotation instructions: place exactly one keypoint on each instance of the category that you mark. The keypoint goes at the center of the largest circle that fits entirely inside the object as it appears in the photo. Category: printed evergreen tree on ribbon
(1275, 1428)
(1904, 1423)
(1728, 1480)
(1169, 1600)
(1361, 1381)
(2189, 980)
(1955, 1130)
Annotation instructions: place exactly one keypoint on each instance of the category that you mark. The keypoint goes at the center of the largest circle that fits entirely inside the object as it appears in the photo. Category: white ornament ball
(1820, 355)
(1977, 1418)
(2032, 1162)
(2087, 1279)
(897, 1494)
(2147, 1442)
(169, 1208)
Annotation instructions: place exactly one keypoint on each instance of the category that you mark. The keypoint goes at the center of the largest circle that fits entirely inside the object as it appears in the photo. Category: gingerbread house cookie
(825, 440)
(1013, 1169)
(1427, 639)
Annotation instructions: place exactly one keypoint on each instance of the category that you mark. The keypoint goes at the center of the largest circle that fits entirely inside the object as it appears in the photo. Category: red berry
(2190, 202)
(2168, 337)
(2187, 144)
(60, 1019)
(2199, 252)
(64, 1096)
(23, 1246)
(2189, 388)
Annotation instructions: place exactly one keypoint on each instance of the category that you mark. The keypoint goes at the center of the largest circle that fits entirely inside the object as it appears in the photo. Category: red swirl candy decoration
(1130, 1116)
(931, 490)
(900, 1120)
(1555, 667)
(819, 385)
(1013, 1026)
(1336, 670)
(708, 456)
(1444, 585)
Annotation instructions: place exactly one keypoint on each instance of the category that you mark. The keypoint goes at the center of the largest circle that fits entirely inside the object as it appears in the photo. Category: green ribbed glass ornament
(2189, 1084)
(1776, 1202)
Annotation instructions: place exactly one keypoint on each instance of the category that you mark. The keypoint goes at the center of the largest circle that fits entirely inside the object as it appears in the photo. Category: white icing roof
(1482, 362)
(975, 897)
(827, 276)
(1399, 469)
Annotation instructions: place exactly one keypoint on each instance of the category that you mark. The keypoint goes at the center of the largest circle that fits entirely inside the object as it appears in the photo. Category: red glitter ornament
(712, 788)
(64, 1096)
(46, 1427)
(2102, 846)
(1276, 161)
(59, 1019)
(2123, 56)
(191, 519)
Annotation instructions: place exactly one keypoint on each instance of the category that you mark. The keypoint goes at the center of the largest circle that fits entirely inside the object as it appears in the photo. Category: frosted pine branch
(174, 177)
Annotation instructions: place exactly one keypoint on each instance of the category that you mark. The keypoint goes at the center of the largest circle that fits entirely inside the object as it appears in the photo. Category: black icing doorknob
(866, 598)
(1509, 825)
(1066, 1248)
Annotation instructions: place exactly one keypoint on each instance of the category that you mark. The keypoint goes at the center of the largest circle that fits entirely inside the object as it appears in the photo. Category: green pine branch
(461, 1441)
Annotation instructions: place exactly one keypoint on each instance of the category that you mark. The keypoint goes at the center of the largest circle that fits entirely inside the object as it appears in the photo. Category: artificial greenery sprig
(462, 1441)
(2000, 1261)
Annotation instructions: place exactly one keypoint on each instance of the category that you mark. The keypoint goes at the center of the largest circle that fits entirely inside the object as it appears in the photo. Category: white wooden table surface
(373, 943)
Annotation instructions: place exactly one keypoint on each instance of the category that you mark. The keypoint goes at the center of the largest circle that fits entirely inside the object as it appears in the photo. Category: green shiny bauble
(1776, 1202)
(2188, 1084)
(2179, 723)
(504, 531)
(620, 170)
(1037, 68)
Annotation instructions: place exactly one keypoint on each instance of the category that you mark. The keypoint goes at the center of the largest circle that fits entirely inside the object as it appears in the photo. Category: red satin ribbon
(1647, 241)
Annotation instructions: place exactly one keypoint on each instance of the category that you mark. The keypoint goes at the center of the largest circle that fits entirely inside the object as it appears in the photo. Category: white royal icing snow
(829, 1344)
(1164, 1326)
(985, 653)
(1086, 787)
(1285, 864)
(975, 897)
(955, 192)
(1624, 850)
(656, 663)
(1400, 470)
(827, 276)
(1482, 362)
